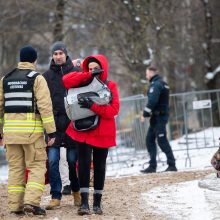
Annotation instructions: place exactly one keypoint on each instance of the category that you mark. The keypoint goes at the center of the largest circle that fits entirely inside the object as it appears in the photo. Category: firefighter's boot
(31, 210)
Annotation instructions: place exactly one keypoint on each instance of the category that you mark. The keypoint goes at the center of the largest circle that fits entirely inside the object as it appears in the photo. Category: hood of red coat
(103, 61)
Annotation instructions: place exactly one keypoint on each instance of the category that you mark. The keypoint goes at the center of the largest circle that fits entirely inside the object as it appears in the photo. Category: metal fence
(193, 124)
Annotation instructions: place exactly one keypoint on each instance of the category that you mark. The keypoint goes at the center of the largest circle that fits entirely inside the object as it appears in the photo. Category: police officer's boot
(84, 207)
(33, 210)
(149, 169)
(171, 168)
(97, 203)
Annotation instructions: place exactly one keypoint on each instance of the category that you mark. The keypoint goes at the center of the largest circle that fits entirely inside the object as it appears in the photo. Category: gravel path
(122, 198)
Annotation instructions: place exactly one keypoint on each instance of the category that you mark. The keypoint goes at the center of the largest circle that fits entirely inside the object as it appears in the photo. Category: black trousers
(85, 153)
(157, 131)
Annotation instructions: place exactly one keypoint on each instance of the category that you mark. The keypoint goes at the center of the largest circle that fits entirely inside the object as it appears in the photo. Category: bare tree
(59, 19)
(181, 37)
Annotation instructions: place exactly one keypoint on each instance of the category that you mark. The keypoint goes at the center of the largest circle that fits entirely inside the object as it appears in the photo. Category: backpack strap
(8, 74)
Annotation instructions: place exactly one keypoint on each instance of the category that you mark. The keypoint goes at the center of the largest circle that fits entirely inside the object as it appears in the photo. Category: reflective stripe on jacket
(26, 128)
(18, 91)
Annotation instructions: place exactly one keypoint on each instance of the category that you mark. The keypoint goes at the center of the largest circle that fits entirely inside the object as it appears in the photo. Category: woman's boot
(84, 207)
(97, 203)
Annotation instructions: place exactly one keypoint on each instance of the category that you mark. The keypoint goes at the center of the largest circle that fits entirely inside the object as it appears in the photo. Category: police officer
(157, 108)
(25, 111)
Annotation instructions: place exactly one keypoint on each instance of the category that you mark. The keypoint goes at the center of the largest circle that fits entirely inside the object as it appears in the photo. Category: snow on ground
(3, 173)
(192, 152)
(211, 184)
(192, 200)
(185, 201)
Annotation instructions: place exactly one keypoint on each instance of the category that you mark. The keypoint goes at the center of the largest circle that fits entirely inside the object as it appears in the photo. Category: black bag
(85, 124)
(87, 95)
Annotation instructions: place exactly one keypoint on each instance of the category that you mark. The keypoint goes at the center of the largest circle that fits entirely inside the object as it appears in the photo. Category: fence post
(185, 115)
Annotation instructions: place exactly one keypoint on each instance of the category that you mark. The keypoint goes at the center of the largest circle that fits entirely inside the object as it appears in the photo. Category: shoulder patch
(32, 74)
(151, 90)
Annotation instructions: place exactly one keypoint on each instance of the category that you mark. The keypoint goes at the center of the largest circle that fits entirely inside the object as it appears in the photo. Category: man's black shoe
(33, 210)
(66, 190)
(171, 169)
(149, 170)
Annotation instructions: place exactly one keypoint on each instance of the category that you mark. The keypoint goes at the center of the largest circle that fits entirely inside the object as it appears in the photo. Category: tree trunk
(59, 19)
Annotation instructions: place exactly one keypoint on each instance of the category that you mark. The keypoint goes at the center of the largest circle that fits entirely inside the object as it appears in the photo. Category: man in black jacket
(60, 65)
(157, 108)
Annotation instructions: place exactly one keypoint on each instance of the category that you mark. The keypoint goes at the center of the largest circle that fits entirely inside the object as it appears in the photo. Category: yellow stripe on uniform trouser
(17, 192)
(19, 156)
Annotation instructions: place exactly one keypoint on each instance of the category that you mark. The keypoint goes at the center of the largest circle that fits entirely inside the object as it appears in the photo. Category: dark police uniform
(157, 108)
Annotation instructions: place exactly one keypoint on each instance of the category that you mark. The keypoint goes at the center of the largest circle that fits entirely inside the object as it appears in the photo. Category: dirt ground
(121, 199)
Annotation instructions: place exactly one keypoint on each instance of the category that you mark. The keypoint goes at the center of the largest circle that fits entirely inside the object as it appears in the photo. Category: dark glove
(52, 135)
(97, 72)
(146, 114)
(85, 102)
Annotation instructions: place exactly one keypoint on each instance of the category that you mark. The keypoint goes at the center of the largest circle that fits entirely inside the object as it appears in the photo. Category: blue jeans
(54, 172)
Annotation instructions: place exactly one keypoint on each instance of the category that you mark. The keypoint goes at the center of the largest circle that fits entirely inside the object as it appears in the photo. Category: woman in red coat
(98, 140)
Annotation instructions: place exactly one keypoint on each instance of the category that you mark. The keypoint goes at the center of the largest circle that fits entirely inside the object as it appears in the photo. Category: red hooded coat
(104, 135)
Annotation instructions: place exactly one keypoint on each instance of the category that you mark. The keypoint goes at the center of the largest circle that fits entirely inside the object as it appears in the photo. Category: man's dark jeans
(54, 172)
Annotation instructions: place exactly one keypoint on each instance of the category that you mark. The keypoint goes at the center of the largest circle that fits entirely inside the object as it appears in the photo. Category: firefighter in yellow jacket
(25, 111)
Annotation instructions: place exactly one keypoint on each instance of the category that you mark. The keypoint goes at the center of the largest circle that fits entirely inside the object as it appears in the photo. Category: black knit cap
(91, 60)
(28, 54)
(59, 45)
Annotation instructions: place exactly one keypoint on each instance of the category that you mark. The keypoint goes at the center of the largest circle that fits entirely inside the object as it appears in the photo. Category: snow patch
(210, 182)
(185, 201)
(3, 173)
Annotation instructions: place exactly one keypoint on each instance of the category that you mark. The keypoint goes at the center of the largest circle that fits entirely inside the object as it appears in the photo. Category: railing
(193, 124)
